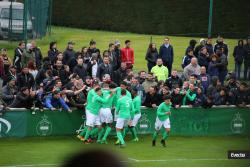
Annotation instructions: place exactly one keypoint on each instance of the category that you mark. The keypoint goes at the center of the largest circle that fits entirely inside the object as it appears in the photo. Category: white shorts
(136, 119)
(121, 123)
(92, 119)
(115, 115)
(106, 115)
(159, 124)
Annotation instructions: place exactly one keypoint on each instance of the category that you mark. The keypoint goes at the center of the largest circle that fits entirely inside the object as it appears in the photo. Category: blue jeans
(237, 70)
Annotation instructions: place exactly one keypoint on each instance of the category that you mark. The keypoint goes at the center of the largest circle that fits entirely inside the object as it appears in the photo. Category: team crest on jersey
(44, 127)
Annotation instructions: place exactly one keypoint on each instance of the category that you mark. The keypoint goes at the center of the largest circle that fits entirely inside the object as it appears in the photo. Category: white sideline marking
(179, 159)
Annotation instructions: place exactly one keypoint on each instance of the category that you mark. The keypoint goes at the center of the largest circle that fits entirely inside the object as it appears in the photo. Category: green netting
(25, 19)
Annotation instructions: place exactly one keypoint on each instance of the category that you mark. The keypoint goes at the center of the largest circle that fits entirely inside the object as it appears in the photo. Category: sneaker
(80, 137)
(163, 143)
(122, 145)
(136, 139)
(117, 142)
(153, 143)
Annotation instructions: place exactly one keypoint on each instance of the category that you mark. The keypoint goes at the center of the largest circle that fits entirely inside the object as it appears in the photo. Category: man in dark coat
(80, 70)
(166, 53)
(247, 59)
(25, 79)
(105, 68)
(69, 56)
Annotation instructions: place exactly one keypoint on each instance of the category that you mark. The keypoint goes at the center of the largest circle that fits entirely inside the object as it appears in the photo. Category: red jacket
(127, 55)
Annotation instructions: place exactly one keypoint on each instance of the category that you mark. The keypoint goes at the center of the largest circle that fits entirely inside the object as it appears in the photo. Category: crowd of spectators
(63, 79)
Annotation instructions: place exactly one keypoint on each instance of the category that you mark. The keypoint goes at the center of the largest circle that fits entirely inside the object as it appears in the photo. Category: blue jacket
(167, 54)
(205, 81)
(212, 69)
(186, 61)
(51, 102)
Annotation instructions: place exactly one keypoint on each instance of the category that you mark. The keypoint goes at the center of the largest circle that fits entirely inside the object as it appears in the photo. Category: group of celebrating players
(127, 105)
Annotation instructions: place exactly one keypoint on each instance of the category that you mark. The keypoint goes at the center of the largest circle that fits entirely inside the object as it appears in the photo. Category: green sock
(108, 130)
(94, 132)
(120, 137)
(100, 133)
(134, 132)
(155, 135)
(164, 135)
(83, 131)
(125, 131)
(86, 137)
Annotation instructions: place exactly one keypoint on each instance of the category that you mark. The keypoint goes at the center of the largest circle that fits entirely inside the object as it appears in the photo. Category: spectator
(41, 73)
(220, 97)
(61, 72)
(238, 57)
(191, 46)
(213, 69)
(140, 90)
(69, 56)
(11, 73)
(190, 96)
(24, 99)
(127, 55)
(151, 98)
(212, 89)
(93, 50)
(200, 98)
(174, 80)
(160, 71)
(204, 79)
(54, 100)
(192, 68)
(221, 45)
(9, 91)
(209, 46)
(38, 54)
(5, 60)
(84, 55)
(28, 55)
(198, 47)
(80, 70)
(120, 74)
(203, 57)
(247, 60)
(163, 92)
(187, 58)
(19, 51)
(176, 97)
(25, 79)
(53, 52)
(1, 69)
(105, 67)
(222, 65)
(118, 52)
(151, 56)
(149, 82)
(93, 66)
(241, 95)
(142, 76)
(32, 68)
(166, 53)
(114, 60)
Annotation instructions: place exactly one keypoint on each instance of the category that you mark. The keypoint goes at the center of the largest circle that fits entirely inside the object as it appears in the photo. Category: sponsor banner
(184, 121)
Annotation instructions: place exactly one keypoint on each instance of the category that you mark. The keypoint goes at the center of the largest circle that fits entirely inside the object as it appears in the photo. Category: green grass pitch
(140, 43)
(180, 151)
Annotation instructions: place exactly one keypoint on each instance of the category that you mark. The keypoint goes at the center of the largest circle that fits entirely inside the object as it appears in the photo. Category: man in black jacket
(105, 68)
(62, 73)
(24, 99)
(114, 60)
(18, 56)
(69, 56)
(25, 79)
(120, 74)
(174, 80)
(80, 70)
(247, 59)
(221, 45)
